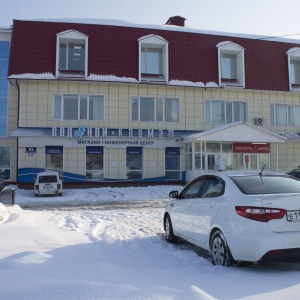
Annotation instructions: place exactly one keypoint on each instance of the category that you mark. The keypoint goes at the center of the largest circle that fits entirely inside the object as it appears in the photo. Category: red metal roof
(113, 50)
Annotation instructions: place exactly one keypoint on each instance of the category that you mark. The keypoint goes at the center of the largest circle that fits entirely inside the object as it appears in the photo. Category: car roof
(231, 173)
(49, 173)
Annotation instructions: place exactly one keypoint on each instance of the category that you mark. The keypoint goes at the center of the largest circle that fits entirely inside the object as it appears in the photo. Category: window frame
(79, 98)
(293, 55)
(230, 48)
(94, 155)
(290, 119)
(225, 103)
(154, 42)
(155, 110)
(71, 37)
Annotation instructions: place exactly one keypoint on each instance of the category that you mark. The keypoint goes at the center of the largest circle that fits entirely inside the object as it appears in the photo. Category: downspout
(193, 158)
(277, 158)
(19, 100)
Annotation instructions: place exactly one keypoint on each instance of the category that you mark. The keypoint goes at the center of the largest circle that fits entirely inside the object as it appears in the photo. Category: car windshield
(48, 178)
(266, 184)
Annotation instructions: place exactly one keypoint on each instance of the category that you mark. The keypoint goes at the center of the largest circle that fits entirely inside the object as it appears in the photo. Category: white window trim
(78, 113)
(229, 47)
(293, 54)
(225, 101)
(156, 98)
(71, 36)
(154, 41)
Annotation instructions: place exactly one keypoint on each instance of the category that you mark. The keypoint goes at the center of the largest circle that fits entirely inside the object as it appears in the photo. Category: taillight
(59, 186)
(37, 187)
(260, 214)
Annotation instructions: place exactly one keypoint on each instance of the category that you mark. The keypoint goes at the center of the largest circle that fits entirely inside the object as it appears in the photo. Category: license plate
(48, 186)
(293, 216)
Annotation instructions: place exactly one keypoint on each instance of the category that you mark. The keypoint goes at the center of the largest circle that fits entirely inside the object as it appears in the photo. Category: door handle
(212, 204)
(188, 204)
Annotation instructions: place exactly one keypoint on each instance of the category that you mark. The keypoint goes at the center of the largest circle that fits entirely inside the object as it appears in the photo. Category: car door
(205, 208)
(181, 211)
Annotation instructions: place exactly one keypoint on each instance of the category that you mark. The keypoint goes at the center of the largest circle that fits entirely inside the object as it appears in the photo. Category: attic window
(153, 59)
(294, 68)
(71, 56)
(231, 64)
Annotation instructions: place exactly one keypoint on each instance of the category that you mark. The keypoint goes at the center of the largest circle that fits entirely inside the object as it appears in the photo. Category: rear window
(266, 184)
(47, 178)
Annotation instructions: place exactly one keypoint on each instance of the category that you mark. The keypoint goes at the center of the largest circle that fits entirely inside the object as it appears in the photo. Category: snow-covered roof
(236, 132)
(122, 23)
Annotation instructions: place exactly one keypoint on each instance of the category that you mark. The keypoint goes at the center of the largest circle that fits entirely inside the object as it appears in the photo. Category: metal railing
(7, 195)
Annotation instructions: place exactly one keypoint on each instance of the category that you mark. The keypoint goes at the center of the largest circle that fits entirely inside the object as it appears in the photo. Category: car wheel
(220, 252)
(60, 194)
(170, 237)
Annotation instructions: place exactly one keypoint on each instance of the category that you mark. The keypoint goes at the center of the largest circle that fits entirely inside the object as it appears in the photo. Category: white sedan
(238, 217)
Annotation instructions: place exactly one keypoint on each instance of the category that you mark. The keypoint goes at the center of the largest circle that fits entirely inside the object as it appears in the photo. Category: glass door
(211, 161)
(251, 161)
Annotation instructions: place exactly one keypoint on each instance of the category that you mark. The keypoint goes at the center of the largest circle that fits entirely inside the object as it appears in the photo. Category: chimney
(177, 21)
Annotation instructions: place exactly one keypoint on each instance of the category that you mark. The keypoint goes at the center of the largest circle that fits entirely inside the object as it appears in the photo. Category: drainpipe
(193, 158)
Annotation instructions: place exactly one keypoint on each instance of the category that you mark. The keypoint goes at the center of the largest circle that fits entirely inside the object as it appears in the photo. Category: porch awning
(236, 132)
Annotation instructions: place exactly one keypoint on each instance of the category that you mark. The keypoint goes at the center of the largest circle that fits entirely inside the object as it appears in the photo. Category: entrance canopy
(235, 132)
(238, 132)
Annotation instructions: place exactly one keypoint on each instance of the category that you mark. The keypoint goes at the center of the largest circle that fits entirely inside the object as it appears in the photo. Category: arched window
(71, 54)
(231, 64)
(153, 59)
(293, 56)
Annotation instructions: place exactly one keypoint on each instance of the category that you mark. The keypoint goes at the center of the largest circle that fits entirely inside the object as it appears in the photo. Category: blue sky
(262, 17)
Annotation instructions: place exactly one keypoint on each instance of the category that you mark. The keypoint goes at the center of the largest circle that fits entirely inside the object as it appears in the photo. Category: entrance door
(251, 161)
(211, 160)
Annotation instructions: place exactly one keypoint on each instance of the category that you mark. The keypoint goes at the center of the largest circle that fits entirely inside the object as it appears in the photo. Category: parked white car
(238, 217)
(48, 183)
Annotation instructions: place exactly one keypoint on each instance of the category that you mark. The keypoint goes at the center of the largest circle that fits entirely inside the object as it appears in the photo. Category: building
(8, 112)
(114, 102)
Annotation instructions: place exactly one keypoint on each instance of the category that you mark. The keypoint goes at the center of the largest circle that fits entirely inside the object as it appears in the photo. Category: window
(214, 187)
(5, 161)
(54, 158)
(71, 56)
(285, 115)
(155, 109)
(231, 64)
(294, 68)
(223, 112)
(4, 54)
(94, 162)
(78, 107)
(172, 163)
(134, 162)
(194, 190)
(153, 59)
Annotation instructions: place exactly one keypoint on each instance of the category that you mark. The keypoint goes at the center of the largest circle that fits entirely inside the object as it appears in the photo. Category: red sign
(251, 148)
(246, 159)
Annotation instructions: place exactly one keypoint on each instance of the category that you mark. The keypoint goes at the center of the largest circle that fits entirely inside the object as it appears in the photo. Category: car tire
(220, 252)
(60, 194)
(170, 236)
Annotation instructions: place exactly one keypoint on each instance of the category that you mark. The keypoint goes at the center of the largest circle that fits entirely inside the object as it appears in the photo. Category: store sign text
(290, 135)
(82, 132)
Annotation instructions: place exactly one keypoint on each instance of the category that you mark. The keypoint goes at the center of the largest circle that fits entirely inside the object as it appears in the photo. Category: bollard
(13, 193)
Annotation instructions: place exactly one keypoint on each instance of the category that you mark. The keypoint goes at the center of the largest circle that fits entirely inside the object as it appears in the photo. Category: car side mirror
(173, 194)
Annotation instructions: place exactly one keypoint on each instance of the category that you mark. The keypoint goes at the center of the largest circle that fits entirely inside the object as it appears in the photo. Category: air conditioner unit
(259, 121)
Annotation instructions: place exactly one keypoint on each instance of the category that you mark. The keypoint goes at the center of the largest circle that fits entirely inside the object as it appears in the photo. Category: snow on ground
(84, 245)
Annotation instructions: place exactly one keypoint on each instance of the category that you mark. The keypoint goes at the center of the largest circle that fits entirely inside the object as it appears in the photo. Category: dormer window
(294, 68)
(71, 56)
(231, 64)
(153, 59)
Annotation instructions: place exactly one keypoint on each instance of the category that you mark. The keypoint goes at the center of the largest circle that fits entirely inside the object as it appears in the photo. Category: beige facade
(36, 111)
